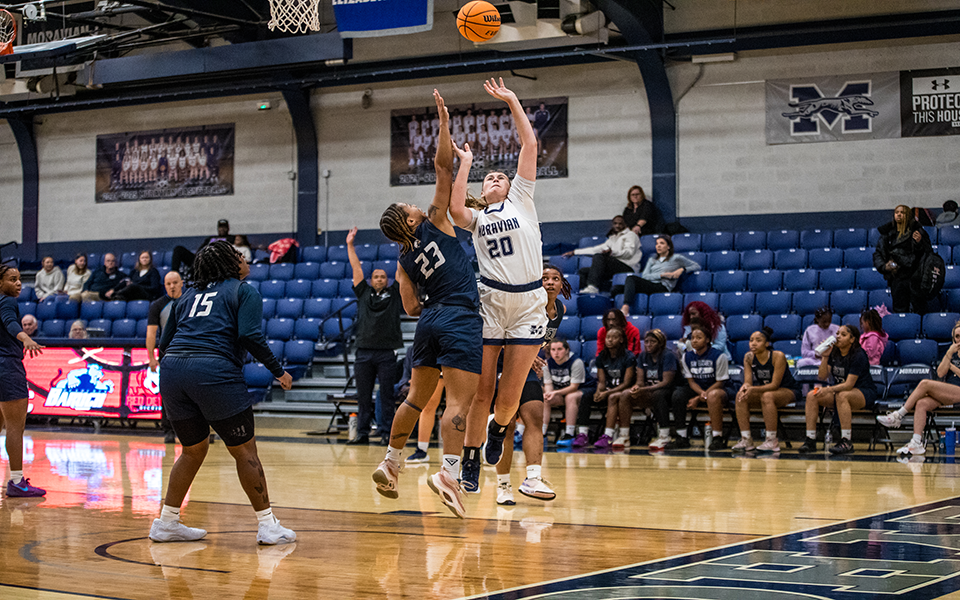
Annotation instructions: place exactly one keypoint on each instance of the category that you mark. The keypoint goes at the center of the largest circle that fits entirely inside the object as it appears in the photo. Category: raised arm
(527, 164)
(462, 216)
(443, 164)
(354, 259)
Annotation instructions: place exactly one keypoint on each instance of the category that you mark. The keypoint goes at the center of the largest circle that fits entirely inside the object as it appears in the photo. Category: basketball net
(294, 16)
(8, 32)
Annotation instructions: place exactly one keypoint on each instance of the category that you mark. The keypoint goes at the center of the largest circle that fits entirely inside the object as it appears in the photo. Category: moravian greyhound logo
(853, 106)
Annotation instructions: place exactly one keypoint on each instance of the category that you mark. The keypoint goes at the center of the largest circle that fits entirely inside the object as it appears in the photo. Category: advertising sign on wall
(930, 102)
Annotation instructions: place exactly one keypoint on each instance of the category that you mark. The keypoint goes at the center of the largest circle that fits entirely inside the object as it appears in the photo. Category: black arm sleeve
(166, 336)
(250, 317)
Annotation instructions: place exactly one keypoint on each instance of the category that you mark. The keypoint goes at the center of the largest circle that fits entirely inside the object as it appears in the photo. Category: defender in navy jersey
(213, 326)
(14, 343)
(434, 266)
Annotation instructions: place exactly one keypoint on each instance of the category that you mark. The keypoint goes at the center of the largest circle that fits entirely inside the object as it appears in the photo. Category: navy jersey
(706, 369)
(222, 320)
(763, 373)
(440, 269)
(854, 363)
(10, 346)
(653, 369)
(554, 323)
(615, 367)
(951, 376)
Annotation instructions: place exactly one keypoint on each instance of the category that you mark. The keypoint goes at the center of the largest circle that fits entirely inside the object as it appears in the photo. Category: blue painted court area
(910, 554)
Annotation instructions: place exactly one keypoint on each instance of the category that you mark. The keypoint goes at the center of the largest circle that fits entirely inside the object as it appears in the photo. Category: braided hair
(214, 263)
(4, 268)
(393, 224)
(565, 288)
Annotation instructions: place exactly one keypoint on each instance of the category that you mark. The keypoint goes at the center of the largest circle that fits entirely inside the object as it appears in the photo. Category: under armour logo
(938, 84)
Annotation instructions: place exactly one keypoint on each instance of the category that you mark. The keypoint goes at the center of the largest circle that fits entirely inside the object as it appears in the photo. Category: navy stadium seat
(939, 326)
(951, 279)
(324, 288)
(737, 303)
(314, 254)
(254, 284)
(588, 351)
(870, 279)
(574, 280)
(824, 258)
(665, 304)
(590, 241)
(766, 280)
(800, 280)
(27, 308)
(468, 249)
(331, 327)
(365, 252)
(124, 328)
(316, 308)
(783, 239)
(569, 328)
(701, 281)
(756, 260)
(807, 303)
(848, 319)
(104, 325)
(27, 294)
(949, 236)
(298, 288)
(750, 240)
(589, 326)
(807, 321)
(711, 299)
(128, 260)
(47, 310)
(338, 253)
(873, 237)
(902, 326)
(852, 237)
(912, 352)
(730, 281)
(574, 348)
(276, 347)
(259, 272)
(570, 303)
(816, 238)
(272, 289)
(67, 310)
(648, 244)
(858, 258)
(837, 279)
(138, 309)
(307, 328)
(389, 251)
(848, 301)
(307, 270)
(788, 347)
(716, 241)
(878, 297)
(741, 327)
(158, 261)
(298, 352)
(723, 260)
(269, 308)
(388, 266)
(951, 300)
(686, 242)
(142, 328)
(348, 305)
(584, 262)
(53, 328)
(345, 288)
(785, 327)
(955, 253)
(94, 261)
(698, 257)
(671, 325)
(257, 376)
(114, 310)
(773, 303)
(280, 329)
(945, 252)
(289, 308)
(739, 350)
(333, 270)
(641, 322)
(787, 259)
(592, 304)
(618, 279)
(640, 304)
(567, 264)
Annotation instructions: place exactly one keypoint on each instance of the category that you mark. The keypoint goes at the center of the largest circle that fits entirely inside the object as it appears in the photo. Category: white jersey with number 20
(507, 237)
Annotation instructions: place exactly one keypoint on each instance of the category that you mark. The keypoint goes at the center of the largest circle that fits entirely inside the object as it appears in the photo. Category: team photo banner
(488, 128)
(930, 102)
(362, 18)
(183, 162)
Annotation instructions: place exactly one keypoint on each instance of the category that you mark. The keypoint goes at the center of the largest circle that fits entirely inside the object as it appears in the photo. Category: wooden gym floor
(624, 525)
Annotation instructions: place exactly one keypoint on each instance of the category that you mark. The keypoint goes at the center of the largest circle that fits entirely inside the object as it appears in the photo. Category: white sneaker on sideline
(891, 420)
(269, 534)
(744, 445)
(175, 532)
(590, 289)
(769, 446)
(660, 442)
(505, 495)
(622, 441)
(913, 449)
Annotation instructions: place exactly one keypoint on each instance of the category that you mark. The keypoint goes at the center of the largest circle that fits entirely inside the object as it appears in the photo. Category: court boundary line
(39, 589)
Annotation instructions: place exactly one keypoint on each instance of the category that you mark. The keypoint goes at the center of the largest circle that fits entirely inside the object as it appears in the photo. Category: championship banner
(832, 109)
(167, 163)
(375, 18)
(930, 102)
(488, 128)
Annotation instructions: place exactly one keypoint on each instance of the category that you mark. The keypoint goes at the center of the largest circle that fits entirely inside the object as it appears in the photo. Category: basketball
(478, 21)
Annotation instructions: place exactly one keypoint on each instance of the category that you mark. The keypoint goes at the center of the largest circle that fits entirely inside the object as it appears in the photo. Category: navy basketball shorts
(202, 387)
(449, 336)
(532, 392)
(13, 379)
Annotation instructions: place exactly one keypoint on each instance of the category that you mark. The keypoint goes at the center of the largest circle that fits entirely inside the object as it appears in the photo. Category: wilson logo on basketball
(491, 18)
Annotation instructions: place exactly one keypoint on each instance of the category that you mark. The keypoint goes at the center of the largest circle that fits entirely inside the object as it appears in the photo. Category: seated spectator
(641, 215)
(950, 215)
(615, 374)
(562, 376)
(853, 389)
(78, 330)
(656, 381)
(700, 312)
(902, 244)
(613, 318)
(144, 282)
(104, 281)
(620, 253)
(929, 396)
(822, 328)
(242, 244)
(873, 339)
(182, 259)
(767, 383)
(77, 276)
(50, 280)
(660, 275)
(29, 325)
(706, 370)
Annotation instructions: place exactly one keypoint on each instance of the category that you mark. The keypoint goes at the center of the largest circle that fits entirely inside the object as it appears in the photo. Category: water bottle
(950, 441)
(828, 438)
(353, 426)
(708, 435)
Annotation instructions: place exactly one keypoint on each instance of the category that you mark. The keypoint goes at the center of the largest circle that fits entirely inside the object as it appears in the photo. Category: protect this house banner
(930, 102)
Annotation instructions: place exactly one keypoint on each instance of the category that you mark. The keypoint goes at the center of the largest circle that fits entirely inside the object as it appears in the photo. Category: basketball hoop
(8, 32)
(294, 16)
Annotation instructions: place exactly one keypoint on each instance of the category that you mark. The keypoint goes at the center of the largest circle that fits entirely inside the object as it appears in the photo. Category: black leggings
(637, 285)
(601, 270)
(662, 402)
(903, 291)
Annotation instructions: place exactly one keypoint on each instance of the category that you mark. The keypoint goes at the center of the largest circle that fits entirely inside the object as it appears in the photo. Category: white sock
(663, 432)
(266, 516)
(451, 464)
(545, 426)
(846, 433)
(746, 435)
(393, 454)
(16, 476)
(682, 432)
(902, 411)
(584, 430)
(533, 471)
(423, 446)
(812, 434)
(503, 479)
(917, 439)
(570, 430)
(771, 435)
(521, 427)
(609, 431)
(169, 514)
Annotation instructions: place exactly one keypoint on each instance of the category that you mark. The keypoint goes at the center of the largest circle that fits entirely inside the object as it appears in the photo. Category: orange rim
(6, 45)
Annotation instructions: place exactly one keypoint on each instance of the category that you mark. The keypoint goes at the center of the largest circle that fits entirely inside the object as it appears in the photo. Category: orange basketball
(478, 21)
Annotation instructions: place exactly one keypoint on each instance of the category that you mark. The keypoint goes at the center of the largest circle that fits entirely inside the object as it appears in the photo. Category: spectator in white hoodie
(620, 253)
(50, 280)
